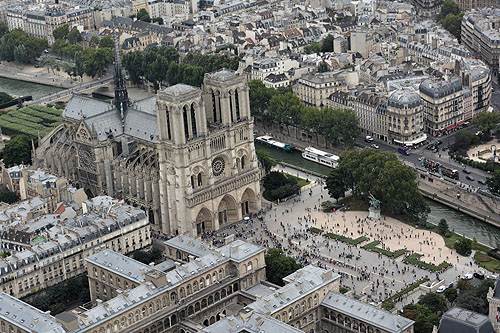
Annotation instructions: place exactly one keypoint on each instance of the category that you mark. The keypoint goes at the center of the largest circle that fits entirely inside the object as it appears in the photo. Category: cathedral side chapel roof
(179, 89)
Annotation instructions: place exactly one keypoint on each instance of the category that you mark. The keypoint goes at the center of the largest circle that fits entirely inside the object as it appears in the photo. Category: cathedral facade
(186, 156)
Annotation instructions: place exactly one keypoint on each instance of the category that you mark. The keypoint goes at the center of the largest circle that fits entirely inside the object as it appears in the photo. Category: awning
(450, 127)
(460, 123)
(414, 142)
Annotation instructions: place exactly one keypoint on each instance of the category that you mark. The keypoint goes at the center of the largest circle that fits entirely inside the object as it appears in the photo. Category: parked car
(431, 146)
(368, 139)
(469, 177)
(492, 277)
(468, 276)
(441, 289)
(438, 142)
(482, 182)
(466, 171)
(450, 285)
(479, 275)
(375, 146)
(479, 133)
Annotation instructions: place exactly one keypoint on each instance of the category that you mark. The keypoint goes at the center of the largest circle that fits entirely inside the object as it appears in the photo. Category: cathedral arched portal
(227, 210)
(204, 221)
(248, 202)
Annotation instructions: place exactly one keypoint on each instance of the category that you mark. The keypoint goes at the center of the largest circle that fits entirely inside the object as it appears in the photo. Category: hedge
(315, 230)
(390, 301)
(392, 254)
(414, 260)
(32, 121)
(488, 166)
(347, 239)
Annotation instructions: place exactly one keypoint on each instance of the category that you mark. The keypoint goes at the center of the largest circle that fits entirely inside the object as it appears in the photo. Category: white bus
(321, 157)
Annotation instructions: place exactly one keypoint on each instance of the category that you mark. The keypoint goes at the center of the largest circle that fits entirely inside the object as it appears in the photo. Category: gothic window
(192, 182)
(200, 179)
(214, 106)
(237, 102)
(193, 122)
(243, 162)
(169, 134)
(231, 107)
(184, 117)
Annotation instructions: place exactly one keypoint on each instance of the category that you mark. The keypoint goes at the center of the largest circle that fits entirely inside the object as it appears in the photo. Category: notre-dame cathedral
(186, 156)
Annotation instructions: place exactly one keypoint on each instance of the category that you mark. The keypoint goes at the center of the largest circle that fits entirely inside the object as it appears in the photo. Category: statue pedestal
(374, 214)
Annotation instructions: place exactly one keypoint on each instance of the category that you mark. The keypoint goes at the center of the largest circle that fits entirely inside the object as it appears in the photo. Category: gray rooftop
(459, 320)
(441, 88)
(120, 264)
(26, 316)
(192, 246)
(377, 317)
(306, 280)
(404, 97)
(252, 322)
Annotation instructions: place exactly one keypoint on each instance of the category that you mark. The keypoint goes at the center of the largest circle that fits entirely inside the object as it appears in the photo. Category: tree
(8, 196)
(463, 285)
(61, 33)
(424, 318)
(463, 140)
(450, 18)
(451, 295)
(79, 64)
(313, 48)
(448, 7)
(143, 15)
(5, 98)
(487, 121)
(267, 161)
(335, 184)
(278, 266)
(260, 96)
(106, 42)
(494, 182)
(381, 174)
(278, 186)
(147, 257)
(475, 299)
(21, 54)
(435, 302)
(443, 227)
(286, 108)
(97, 61)
(94, 41)
(158, 20)
(3, 29)
(132, 62)
(463, 246)
(74, 36)
(327, 44)
(17, 150)
(323, 67)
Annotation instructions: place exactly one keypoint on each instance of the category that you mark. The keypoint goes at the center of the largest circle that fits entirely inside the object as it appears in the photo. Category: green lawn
(392, 254)
(415, 260)
(300, 181)
(347, 240)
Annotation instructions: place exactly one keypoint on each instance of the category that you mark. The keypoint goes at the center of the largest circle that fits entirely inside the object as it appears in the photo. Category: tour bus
(321, 157)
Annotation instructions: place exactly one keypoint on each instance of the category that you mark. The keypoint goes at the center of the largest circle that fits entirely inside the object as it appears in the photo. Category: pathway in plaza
(369, 275)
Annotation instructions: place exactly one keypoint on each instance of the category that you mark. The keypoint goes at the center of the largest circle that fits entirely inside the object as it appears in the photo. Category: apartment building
(443, 104)
(314, 89)
(478, 79)
(264, 67)
(47, 249)
(15, 19)
(49, 188)
(481, 35)
(468, 104)
(35, 24)
(370, 108)
(405, 117)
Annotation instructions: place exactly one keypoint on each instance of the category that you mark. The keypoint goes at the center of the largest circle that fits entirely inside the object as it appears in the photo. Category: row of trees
(17, 46)
(157, 65)
(279, 265)
(278, 186)
(143, 15)
(450, 18)
(383, 175)
(93, 61)
(285, 108)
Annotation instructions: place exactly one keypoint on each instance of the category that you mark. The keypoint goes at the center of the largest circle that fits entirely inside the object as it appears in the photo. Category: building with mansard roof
(185, 156)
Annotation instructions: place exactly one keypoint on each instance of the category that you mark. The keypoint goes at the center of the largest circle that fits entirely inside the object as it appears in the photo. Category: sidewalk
(41, 76)
(457, 204)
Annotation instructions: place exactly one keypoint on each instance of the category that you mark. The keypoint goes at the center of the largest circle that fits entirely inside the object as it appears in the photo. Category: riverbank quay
(34, 75)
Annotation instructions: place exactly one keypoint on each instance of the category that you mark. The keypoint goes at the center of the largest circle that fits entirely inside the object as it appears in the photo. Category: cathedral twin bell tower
(208, 166)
